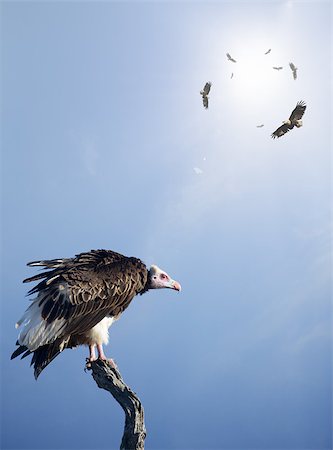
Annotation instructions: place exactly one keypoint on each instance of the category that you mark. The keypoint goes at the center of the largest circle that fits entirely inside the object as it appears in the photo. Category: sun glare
(254, 76)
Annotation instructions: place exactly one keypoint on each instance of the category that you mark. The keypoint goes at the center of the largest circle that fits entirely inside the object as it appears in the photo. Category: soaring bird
(278, 68)
(77, 301)
(230, 58)
(205, 91)
(294, 70)
(260, 126)
(268, 51)
(294, 120)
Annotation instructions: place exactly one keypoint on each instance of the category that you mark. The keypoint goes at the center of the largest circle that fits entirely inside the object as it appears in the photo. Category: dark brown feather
(298, 112)
(89, 287)
(283, 129)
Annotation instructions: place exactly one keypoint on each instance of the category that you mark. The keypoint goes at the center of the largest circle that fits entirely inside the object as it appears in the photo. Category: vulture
(260, 126)
(230, 58)
(268, 51)
(293, 69)
(205, 91)
(76, 301)
(294, 120)
(278, 68)
(232, 75)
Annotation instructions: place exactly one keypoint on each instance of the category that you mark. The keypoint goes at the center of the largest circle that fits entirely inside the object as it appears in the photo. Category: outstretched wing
(283, 129)
(230, 58)
(77, 293)
(205, 101)
(206, 88)
(298, 112)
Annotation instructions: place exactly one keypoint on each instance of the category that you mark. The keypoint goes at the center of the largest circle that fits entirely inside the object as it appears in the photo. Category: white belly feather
(99, 334)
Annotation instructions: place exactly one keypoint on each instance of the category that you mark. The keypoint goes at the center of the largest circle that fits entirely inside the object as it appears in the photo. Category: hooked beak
(175, 285)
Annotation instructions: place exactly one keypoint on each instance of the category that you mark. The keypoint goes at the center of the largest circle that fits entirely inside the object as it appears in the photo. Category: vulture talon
(88, 365)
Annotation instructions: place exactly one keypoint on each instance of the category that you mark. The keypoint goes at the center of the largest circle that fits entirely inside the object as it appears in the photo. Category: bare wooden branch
(110, 379)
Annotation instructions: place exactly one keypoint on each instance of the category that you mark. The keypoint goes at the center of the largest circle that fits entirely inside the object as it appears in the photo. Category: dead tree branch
(109, 378)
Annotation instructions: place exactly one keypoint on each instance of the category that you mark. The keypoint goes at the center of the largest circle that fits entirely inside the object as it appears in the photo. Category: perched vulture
(278, 68)
(77, 300)
(205, 93)
(294, 120)
(230, 58)
(293, 69)
(260, 126)
(268, 51)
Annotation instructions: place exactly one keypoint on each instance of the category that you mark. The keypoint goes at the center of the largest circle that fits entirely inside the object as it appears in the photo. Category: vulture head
(158, 279)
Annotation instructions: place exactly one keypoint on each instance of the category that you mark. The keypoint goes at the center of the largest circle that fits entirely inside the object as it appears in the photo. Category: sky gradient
(103, 125)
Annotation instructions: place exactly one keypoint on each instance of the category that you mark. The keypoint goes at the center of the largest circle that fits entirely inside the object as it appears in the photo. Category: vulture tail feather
(43, 356)
(27, 353)
(19, 351)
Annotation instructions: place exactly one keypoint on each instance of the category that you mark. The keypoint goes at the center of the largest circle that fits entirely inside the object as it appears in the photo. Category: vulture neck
(146, 287)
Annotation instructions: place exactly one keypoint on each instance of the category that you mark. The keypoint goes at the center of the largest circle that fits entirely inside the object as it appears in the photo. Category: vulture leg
(92, 355)
(100, 351)
(101, 355)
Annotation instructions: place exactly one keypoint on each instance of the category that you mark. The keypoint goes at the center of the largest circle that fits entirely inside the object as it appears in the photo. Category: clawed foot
(88, 364)
(110, 361)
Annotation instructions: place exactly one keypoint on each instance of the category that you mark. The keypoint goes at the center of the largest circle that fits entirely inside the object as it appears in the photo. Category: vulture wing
(207, 87)
(298, 112)
(78, 293)
(205, 101)
(230, 58)
(283, 129)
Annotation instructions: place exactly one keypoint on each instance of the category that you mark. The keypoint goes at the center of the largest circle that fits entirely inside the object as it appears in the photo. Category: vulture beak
(175, 285)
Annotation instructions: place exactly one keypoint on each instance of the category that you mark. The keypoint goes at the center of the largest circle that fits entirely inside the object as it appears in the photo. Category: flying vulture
(268, 51)
(278, 68)
(232, 75)
(294, 70)
(205, 93)
(294, 120)
(77, 300)
(260, 126)
(230, 58)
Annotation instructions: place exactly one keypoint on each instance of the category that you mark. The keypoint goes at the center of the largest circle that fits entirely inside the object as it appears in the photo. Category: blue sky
(103, 126)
